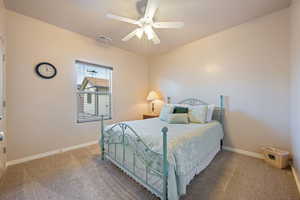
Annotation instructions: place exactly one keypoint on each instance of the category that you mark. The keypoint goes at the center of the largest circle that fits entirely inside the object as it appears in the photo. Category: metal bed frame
(143, 153)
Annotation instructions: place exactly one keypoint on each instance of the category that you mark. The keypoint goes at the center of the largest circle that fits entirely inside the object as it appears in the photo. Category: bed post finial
(222, 101)
(169, 100)
(222, 109)
(102, 137)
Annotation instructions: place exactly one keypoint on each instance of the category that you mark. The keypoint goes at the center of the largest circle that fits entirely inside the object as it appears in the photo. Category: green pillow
(178, 109)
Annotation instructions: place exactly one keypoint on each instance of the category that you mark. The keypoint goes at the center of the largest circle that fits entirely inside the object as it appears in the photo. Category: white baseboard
(243, 152)
(49, 153)
(297, 178)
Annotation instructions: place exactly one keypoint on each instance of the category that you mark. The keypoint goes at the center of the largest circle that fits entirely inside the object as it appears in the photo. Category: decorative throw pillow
(198, 114)
(181, 109)
(165, 111)
(210, 112)
(178, 118)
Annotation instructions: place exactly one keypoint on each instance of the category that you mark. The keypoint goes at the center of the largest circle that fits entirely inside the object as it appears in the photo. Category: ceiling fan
(146, 23)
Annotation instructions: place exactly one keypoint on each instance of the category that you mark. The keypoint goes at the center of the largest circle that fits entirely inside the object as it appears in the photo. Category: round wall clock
(46, 70)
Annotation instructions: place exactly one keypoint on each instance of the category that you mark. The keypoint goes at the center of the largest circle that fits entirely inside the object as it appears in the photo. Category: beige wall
(2, 45)
(2, 50)
(42, 113)
(250, 65)
(295, 82)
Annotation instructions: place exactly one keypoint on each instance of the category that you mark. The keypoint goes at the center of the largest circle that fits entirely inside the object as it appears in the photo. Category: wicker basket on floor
(276, 157)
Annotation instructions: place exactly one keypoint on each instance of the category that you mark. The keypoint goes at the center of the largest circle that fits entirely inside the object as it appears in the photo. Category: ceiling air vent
(104, 39)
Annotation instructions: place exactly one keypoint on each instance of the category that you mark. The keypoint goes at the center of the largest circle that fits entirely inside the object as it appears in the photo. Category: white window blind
(94, 91)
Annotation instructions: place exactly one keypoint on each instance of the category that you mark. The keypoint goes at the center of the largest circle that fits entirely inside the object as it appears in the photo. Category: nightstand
(150, 115)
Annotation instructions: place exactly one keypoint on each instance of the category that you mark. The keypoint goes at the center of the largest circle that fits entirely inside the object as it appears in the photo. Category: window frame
(109, 117)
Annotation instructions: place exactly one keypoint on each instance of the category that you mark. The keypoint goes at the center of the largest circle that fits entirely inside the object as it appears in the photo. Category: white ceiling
(201, 18)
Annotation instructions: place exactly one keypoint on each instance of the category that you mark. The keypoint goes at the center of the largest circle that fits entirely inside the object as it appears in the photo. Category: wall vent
(104, 39)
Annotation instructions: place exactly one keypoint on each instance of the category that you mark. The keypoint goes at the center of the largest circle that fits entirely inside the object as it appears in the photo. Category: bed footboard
(123, 146)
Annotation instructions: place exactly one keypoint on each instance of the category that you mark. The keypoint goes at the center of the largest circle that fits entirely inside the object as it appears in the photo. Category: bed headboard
(218, 112)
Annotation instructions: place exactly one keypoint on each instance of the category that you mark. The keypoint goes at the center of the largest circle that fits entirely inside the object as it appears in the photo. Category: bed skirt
(184, 180)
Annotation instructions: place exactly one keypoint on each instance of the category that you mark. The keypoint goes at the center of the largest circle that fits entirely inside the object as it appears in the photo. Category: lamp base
(152, 107)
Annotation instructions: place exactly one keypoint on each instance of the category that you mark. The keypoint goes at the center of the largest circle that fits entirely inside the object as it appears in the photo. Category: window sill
(80, 121)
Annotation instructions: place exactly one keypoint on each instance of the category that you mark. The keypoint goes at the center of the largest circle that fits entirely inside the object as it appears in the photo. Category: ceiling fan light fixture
(149, 32)
(139, 33)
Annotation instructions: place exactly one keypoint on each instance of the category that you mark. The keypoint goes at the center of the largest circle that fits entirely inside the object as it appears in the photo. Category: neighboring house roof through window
(94, 82)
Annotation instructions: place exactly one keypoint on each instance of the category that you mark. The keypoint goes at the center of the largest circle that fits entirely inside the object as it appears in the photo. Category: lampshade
(152, 96)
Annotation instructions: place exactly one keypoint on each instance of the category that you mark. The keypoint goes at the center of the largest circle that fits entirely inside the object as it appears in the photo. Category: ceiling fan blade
(130, 35)
(151, 8)
(122, 19)
(168, 24)
(155, 38)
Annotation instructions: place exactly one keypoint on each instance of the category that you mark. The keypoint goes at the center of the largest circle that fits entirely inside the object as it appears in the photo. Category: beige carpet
(80, 174)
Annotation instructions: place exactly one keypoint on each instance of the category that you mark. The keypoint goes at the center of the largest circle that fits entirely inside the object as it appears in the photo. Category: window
(93, 91)
(89, 98)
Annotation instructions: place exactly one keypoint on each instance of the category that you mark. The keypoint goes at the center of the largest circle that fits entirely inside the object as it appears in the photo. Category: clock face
(46, 70)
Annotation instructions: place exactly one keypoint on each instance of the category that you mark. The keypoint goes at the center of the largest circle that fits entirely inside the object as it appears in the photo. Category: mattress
(191, 147)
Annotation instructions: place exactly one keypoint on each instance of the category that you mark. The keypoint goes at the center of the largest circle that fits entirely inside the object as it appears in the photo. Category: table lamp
(152, 96)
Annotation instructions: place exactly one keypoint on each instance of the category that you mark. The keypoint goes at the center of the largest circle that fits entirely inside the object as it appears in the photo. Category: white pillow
(210, 112)
(198, 114)
(165, 111)
(178, 118)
